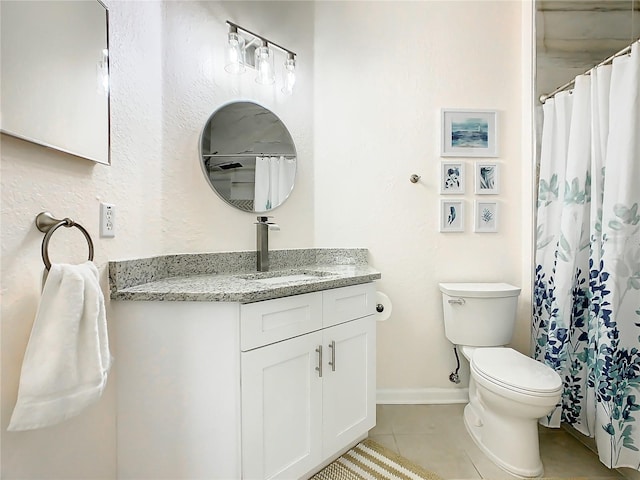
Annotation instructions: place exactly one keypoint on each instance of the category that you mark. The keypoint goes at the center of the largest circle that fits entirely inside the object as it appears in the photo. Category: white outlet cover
(107, 220)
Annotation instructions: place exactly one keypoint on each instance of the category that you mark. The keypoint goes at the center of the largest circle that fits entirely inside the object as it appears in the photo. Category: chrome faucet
(262, 242)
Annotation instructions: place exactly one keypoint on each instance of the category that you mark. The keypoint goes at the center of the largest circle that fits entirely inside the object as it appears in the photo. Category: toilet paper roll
(383, 307)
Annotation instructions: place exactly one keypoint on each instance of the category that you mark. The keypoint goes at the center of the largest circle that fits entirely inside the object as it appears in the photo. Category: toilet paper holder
(383, 307)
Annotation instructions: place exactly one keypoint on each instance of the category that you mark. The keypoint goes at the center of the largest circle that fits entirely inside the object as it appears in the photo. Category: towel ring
(48, 224)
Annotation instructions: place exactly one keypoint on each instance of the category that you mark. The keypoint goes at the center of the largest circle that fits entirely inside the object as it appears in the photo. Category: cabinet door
(349, 389)
(281, 409)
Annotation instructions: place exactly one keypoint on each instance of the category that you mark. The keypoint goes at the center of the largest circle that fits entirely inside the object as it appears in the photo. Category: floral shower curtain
(586, 318)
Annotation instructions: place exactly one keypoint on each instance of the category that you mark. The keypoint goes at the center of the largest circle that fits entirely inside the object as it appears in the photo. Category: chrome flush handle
(456, 301)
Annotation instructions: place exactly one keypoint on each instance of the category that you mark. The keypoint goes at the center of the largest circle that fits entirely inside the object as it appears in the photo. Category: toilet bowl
(508, 391)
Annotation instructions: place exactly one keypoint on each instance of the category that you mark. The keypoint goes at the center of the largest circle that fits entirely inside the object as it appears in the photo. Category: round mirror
(248, 156)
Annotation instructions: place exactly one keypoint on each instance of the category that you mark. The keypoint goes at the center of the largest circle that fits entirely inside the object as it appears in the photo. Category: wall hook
(414, 178)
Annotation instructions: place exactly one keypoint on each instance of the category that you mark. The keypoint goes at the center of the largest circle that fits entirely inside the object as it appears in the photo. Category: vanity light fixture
(235, 52)
(245, 47)
(264, 65)
(289, 74)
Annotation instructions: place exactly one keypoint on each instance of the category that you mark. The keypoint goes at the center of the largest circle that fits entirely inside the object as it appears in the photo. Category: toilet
(508, 391)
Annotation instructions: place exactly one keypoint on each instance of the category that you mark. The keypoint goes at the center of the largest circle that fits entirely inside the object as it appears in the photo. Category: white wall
(383, 72)
(361, 128)
(194, 85)
(167, 78)
(35, 179)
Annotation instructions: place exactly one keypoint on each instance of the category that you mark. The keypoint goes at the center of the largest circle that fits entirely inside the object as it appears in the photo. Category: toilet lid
(480, 290)
(514, 370)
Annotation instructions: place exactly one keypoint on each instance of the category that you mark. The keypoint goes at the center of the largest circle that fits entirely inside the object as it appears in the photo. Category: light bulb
(235, 53)
(264, 65)
(289, 75)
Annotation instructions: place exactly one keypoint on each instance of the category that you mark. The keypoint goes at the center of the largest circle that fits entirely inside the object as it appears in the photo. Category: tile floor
(434, 436)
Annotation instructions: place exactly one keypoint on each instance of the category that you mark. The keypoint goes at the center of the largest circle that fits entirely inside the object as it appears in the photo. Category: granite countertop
(232, 276)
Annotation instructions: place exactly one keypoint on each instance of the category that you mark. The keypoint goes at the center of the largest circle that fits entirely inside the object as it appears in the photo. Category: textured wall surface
(194, 86)
(36, 179)
(383, 72)
(372, 77)
(167, 77)
(572, 37)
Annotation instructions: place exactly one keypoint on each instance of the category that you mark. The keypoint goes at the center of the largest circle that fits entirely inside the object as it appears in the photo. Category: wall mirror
(55, 75)
(248, 156)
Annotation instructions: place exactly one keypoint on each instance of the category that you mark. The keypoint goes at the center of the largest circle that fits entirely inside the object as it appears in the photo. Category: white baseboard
(422, 395)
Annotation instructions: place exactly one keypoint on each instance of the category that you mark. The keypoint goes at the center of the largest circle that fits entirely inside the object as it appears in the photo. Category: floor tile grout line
(473, 463)
(401, 423)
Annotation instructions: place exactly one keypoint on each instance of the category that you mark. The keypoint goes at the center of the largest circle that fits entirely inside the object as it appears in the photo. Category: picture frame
(452, 176)
(486, 216)
(487, 178)
(451, 215)
(469, 133)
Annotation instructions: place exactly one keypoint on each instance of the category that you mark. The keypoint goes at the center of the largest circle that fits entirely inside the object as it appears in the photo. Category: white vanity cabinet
(348, 395)
(306, 397)
(270, 389)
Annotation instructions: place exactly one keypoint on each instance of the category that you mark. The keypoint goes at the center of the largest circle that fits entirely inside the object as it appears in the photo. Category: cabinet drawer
(348, 303)
(262, 323)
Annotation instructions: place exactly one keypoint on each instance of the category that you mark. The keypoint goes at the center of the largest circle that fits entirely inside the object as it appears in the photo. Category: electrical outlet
(107, 220)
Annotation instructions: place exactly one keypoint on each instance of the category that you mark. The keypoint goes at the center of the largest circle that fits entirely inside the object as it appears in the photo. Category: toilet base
(475, 426)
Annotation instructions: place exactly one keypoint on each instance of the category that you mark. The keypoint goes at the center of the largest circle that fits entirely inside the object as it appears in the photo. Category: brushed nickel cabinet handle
(332, 346)
(319, 367)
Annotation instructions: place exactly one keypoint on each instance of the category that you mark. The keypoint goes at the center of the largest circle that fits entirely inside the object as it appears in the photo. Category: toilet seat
(514, 371)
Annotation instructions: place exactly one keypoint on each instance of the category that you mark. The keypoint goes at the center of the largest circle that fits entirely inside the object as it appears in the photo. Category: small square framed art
(486, 217)
(487, 178)
(452, 178)
(452, 215)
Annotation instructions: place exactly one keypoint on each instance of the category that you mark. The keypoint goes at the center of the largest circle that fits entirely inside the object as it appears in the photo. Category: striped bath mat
(370, 461)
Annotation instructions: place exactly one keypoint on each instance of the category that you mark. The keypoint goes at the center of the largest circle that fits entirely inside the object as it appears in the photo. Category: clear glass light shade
(235, 54)
(289, 76)
(265, 66)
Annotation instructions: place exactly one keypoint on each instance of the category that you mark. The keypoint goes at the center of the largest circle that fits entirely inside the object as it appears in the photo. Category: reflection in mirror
(55, 75)
(248, 157)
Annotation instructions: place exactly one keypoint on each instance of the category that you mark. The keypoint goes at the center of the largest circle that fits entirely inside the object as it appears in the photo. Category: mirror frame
(248, 153)
(57, 107)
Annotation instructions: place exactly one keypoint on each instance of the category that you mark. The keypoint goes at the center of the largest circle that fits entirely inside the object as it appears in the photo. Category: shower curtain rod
(625, 50)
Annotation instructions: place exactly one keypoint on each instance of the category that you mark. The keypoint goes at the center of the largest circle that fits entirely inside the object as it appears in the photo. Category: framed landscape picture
(469, 133)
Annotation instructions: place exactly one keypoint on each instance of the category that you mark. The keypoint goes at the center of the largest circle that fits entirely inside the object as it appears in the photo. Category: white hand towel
(67, 360)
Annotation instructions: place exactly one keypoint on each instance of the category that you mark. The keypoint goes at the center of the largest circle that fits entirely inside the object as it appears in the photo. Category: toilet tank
(479, 314)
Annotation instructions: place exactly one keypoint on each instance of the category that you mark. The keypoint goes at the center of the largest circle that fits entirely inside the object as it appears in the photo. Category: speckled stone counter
(232, 276)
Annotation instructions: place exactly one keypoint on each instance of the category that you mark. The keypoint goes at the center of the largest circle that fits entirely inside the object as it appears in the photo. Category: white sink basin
(285, 276)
